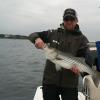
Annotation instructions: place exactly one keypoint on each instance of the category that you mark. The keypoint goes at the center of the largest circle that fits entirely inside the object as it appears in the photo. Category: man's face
(70, 24)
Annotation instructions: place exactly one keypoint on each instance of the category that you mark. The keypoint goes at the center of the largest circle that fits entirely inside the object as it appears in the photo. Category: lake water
(21, 69)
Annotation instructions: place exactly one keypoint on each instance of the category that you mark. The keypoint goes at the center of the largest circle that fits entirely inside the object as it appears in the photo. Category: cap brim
(69, 16)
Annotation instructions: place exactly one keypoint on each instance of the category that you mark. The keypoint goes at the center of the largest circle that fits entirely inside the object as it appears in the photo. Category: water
(21, 69)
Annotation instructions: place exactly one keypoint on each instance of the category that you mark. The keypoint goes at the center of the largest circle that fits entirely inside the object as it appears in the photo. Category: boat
(38, 94)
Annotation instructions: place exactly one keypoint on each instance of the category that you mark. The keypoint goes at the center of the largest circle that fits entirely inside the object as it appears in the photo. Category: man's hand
(75, 70)
(39, 43)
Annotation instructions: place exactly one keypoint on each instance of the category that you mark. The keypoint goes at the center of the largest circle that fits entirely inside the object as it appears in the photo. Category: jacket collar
(77, 30)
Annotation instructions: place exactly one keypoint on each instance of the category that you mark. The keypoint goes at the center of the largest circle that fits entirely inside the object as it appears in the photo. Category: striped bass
(66, 61)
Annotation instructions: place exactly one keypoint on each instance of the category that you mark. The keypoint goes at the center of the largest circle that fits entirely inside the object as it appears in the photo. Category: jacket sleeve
(85, 52)
(43, 35)
(83, 47)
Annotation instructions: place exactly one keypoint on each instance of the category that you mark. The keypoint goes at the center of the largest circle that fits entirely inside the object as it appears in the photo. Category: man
(68, 38)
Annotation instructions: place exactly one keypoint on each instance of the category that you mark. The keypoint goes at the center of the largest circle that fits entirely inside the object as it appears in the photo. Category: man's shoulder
(52, 32)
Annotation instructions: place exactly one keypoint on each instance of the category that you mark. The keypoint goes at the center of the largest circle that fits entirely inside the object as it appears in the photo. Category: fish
(66, 60)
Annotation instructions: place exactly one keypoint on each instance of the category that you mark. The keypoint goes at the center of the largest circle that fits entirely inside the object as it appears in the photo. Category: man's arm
(42, 35)
(85, 52)
(39, 38)
(83, 47)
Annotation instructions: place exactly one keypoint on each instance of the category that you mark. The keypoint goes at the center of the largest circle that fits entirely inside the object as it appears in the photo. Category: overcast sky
(27, 16)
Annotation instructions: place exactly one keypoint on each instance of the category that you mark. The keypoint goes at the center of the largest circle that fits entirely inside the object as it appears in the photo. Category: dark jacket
(73, 42)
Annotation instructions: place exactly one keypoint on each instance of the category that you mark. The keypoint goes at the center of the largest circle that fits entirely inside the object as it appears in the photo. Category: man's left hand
(75, 70)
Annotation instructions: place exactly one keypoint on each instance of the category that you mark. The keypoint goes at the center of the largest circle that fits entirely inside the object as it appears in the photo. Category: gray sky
(27, 16)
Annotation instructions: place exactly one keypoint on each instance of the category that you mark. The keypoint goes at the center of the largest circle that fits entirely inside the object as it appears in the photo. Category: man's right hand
(39, 43)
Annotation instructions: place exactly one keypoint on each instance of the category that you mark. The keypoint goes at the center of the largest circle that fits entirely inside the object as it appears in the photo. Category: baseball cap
(69, 14)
